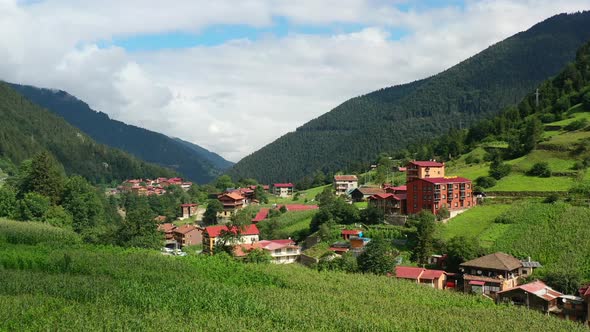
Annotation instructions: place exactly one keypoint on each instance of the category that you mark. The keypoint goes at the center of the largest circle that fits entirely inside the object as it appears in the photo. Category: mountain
(193, 161)
(27, 129)
(389, 119)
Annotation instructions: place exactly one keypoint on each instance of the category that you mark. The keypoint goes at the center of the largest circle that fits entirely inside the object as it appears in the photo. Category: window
(523, 272)
(442, 187)
(444, 196)
(456, 195)
(456, 204)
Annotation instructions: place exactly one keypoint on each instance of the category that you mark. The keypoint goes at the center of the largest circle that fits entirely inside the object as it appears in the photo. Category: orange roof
(235, 195)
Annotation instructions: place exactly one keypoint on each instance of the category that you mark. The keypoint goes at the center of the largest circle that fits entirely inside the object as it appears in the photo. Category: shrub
(541, 169)
(551, 198)
(443, 214)
(485, 182)
(576, 125)
(499, 170)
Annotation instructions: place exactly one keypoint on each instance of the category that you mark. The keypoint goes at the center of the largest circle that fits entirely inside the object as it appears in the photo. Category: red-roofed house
(188, 235)
(261, 215)
(283, 189)
(344, 183)
(534, 295)
(389, 203)
(188, 210)
(281, 251)
(434, 278)
(348, 233)
(211, 236)
(396, 190)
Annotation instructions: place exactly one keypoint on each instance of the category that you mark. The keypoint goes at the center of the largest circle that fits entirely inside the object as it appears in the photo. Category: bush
(443, 214)
(576, 125)
(499, 170)
(485, 182)
(551, 198)
(541, 169)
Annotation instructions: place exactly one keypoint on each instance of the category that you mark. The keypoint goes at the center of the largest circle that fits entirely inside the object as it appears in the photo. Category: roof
(283, 185)
(215, 231)
(430, 163)
(401, 169)
(299, 207)
(454, 179)
(189, 205)
(235, 195)
(166, 228)
(497, 261)
(400, 188)
(408, 272)
(337, 249)
(261, 215)
(185, 229)
(351, 232)
(432, 274)
(539, 289)
(368, 191)
(345, 178)
(585, 291)
(530, 264)
(243, 249)
(398, 197)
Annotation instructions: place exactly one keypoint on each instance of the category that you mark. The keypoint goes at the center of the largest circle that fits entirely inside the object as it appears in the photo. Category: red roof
(345, 178)
(427, 163)
(408, 272)
(585, 291)
(539, 289)
(446, 180)
(432, 274)
(398, 197)
(351, 232)
(299, 207)
(283, 185)
(476, 282)
(400, 188)
(189, 205)
(214, 231)
(401, 169)
(261, 215)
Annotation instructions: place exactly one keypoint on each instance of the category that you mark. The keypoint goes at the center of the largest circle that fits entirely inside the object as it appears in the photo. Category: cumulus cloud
(239, 95)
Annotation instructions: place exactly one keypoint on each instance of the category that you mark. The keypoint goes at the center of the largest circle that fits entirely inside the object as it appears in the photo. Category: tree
(139, 228)
(498, 169)
(233, 233)
(44, 177)
(424, 236)
(223, 182)
(260, 194)
(586, 101)
(567, 282)
(57, 216)
(33, 206)
(83, 202)
(485, 181)
(371, 216)
(461, 249)
(258, 256)
(213, 208)
(443, 213)
(378, 257)
(540, 169)
(7, 202)
(325, 197)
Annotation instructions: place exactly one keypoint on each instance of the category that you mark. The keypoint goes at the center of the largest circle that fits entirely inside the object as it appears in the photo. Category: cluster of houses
(498, 276)
(427, 188)
(150, 187)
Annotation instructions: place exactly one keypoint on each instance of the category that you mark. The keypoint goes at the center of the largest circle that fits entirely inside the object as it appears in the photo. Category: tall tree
(378, 257)
(44, 177)
(213, 208)
(424, 236)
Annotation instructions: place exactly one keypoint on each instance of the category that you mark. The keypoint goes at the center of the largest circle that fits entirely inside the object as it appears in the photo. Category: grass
(558, 161)
(520, 182)
(574, 117)
(106, 288)
(361, 205)
(473, 222)
(565, 140)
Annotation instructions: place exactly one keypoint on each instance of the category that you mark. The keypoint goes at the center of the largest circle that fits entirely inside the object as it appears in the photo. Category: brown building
(188, 235)
(433, 194)
(231, 202)
(188, 210)
(168, 230)
(491, 274)
(389, 203)
(363, 193)
(534, 295)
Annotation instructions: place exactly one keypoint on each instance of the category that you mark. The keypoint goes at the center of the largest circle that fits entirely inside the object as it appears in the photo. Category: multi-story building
(491, 274)
(424, 169)
(345, 183)
(231, 202)
(433, 194)
(188, 235)
(280, 251)
(283, 189)
(212, 236)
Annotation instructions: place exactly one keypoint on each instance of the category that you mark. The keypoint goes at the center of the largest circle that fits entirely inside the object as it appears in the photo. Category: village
(498, 276)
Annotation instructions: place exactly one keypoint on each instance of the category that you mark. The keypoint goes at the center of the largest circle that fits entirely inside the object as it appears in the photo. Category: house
(491, 274)
(433, 194)
(347, 233)
(340, 247)
(345, 183)
(396, 190)
(363, 193)
(281, 251)
(168, 230)
(534, 295)
(433, 278)
(585, 294)
(389, 203)
(211, 236)
(283, 189)
(231, 202)
(188, 210)
(571, 307)
(424, 169)
(358, 244)
(438, 260)
(188, 235)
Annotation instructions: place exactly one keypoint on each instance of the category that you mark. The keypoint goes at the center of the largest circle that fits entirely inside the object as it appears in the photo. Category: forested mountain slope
(389, 119)
(195, 162)
(27, 129)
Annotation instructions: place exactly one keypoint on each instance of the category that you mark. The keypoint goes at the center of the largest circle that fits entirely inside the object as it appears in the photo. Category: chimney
(529, 259)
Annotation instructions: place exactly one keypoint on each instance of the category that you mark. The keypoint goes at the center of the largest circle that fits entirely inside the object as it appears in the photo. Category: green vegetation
(289, 224)
(26, 130)
(191, 160)
(91, 288)
(473, 222)
(389, 119)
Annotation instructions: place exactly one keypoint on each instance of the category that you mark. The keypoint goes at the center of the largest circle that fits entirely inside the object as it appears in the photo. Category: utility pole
(537, 97)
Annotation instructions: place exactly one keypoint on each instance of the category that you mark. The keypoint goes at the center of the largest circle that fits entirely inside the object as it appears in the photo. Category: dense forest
(27, 129)
(193, 161)
(390, 119)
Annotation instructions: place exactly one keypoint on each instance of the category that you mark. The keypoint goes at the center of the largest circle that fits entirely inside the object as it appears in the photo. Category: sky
(234, 75)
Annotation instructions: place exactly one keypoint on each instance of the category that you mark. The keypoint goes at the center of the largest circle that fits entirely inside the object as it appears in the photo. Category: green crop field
(521, 182)
(558, 161)
(473, 222)
(83, 287)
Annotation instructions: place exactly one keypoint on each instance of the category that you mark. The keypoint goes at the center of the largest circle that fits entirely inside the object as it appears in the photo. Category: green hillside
(89, 288)
(389, 119)
(26, 129)
(192, 161)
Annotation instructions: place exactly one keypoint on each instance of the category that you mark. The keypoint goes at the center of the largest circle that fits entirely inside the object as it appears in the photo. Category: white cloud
(235, 97)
